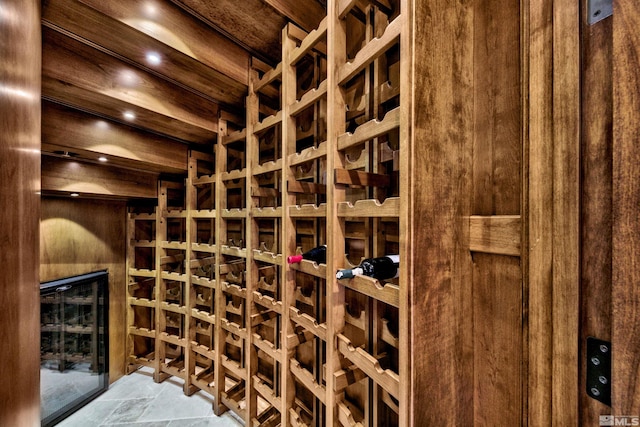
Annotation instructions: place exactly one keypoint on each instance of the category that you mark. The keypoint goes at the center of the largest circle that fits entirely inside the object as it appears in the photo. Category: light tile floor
(136, 400)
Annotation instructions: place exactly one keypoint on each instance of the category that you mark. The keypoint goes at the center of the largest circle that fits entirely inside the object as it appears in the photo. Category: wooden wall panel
(596, 145)
(441, 327)
(626, 200)
(19, 182)
(80, 236)
(497, 174)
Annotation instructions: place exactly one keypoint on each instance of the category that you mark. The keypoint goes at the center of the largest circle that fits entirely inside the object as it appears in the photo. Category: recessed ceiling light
(154, 58)
(129, 115)
(102, 159)
(74, 194)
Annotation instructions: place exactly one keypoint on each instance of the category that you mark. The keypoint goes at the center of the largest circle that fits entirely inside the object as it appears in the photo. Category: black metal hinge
(599, 370)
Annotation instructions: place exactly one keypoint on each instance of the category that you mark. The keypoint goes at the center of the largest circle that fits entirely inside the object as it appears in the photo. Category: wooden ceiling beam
(223, 80)
(89, 79)
(92, 137)
(170, 25)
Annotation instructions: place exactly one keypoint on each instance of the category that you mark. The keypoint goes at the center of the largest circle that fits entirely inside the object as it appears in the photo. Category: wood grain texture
(253, 24)
(126, 37)
(596, 170)
(497, 234)
(498, 321)
(626, 199)
(173, 27)
(81, 76)
(538, 67)
(441, 330)
(496, 228)
(566, 211)
(81, 236)
(67, 176)
(19, 182)
(124, 146)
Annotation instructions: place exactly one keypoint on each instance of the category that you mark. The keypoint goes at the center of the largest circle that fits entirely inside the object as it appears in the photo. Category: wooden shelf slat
(204, 180)
(309, 323)
(142, 332)
(268, 78)
(234, 328)
(203, 214)
(268, 212)
(234, 174)
(268, 257)
(267, 302)
(240, 135)
(385, 378)
(306, 378)
(370, 208)
(141, 302)
(267, 347)
(385, 292)
(203, 315)
(346, 417)
(142, 272)
(309, 42)
(371, 51)
(308, 211)
(310, 267)
(267, 167)
(268, 123)
(267, 392)
(371, 129)
(309, 98)
(308, 154)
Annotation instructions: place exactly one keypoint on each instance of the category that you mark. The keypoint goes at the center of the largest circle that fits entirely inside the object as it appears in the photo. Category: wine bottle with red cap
(381, 268)
(318, 255)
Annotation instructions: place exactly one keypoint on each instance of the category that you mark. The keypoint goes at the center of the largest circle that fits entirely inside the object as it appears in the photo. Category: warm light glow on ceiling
(128, 78)
(74, 194)
(129, 115)
(102, 158)
(150, 9)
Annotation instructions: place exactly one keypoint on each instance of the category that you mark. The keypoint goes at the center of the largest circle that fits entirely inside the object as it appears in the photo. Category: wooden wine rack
(212, 300)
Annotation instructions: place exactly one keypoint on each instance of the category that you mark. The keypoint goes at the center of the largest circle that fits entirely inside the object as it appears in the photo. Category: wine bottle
(318, 255)
(381, 268)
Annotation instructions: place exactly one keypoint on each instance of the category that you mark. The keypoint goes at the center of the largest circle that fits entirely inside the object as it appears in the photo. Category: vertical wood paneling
(80, 236)
(497, 334)
(538, 36)
(566, 210)
(595, 206)
(626, 200)
(441, 328)
(19, 181)
(497, 153)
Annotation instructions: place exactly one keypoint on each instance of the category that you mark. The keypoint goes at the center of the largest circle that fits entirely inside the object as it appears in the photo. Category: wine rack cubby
(316, 161)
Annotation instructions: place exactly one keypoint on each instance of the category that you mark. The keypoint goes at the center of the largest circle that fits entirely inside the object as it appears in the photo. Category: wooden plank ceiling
(139, 83)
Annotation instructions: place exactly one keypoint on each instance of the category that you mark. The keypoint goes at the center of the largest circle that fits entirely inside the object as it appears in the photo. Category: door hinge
(599, 370)
(597, 10)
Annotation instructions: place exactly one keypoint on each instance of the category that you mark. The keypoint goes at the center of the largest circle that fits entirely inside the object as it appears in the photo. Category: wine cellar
(211, 298)
(352, 213)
